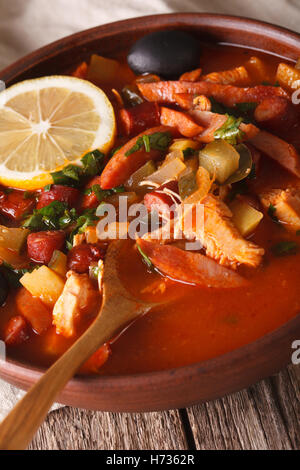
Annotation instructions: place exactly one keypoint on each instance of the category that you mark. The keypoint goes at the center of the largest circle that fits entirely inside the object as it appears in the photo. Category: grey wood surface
(265, 416)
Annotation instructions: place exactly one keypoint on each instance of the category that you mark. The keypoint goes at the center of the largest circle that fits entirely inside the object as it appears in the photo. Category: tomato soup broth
(195, 323)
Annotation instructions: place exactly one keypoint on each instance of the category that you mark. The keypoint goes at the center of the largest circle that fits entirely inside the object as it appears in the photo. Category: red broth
(196, 323)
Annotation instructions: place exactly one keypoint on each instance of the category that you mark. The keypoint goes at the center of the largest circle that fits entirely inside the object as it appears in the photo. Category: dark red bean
(15, 205)
(139, 118)
(41, 245)
(16, 331)
(82, 256)
(59, 193)
(162, 202)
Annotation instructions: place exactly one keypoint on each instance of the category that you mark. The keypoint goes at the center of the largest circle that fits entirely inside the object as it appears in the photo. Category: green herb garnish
(145, 258)
(158, 141)
(87, 219)
(93, 163)
(55, 216)
(272, 214)
(244, 110)
(75, 175)
(230, 131)
(285, 248)
(103, 194)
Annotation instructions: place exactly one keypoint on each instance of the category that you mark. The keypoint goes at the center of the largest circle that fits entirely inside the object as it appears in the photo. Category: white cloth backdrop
(28, 24)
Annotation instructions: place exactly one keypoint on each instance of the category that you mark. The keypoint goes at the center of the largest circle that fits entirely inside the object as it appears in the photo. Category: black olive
(3, 289)
(168, 54)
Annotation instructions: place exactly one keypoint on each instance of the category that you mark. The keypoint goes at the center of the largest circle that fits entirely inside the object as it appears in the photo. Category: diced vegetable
(44, 284)
(204, 183)
(220, 159)
(35, 312)
(184, 145)
(91, 235)
(103, 70)
(115, 200)
(132, 184)
(187, 183)
(13, 258)
(288, 76)
(13, 238)
(245, 164)
(170, 171)
(245, 217)
(58, 263)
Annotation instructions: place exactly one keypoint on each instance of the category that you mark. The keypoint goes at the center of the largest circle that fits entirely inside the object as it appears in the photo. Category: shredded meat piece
(286, 204)
(222, 240)
(79, 297)
(216, 233)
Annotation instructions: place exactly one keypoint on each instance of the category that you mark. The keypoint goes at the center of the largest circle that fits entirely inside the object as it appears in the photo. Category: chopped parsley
(230, 131)
(87, 219)
(158, 141)
(244, 110)
(55, 216)
(285, 248)
(75, 175)
(103, 194)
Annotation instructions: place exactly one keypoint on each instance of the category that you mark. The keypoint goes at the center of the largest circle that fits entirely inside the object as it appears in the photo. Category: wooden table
(266, 416)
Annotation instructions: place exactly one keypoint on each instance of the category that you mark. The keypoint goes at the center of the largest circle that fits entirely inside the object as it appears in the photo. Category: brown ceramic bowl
(198, 382)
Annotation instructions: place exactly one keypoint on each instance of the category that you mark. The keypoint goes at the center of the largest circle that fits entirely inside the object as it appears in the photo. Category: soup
(225, 138)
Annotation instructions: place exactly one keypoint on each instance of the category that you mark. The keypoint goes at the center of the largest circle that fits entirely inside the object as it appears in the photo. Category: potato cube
(13, 238)
(44, 284)
(245, 217)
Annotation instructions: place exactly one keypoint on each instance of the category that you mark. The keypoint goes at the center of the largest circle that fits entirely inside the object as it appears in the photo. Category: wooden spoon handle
(19, 427)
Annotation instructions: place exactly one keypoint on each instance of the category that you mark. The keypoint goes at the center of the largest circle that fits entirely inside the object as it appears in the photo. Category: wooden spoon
(118, 310)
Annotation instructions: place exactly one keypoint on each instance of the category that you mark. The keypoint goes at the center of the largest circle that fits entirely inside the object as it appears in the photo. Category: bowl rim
(117, 27)
(29, 374)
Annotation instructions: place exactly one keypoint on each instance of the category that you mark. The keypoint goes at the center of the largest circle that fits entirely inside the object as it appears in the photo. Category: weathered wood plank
(73, 429)
(266, 416)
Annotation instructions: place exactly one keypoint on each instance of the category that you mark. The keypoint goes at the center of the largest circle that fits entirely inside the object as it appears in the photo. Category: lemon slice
(48, 123)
